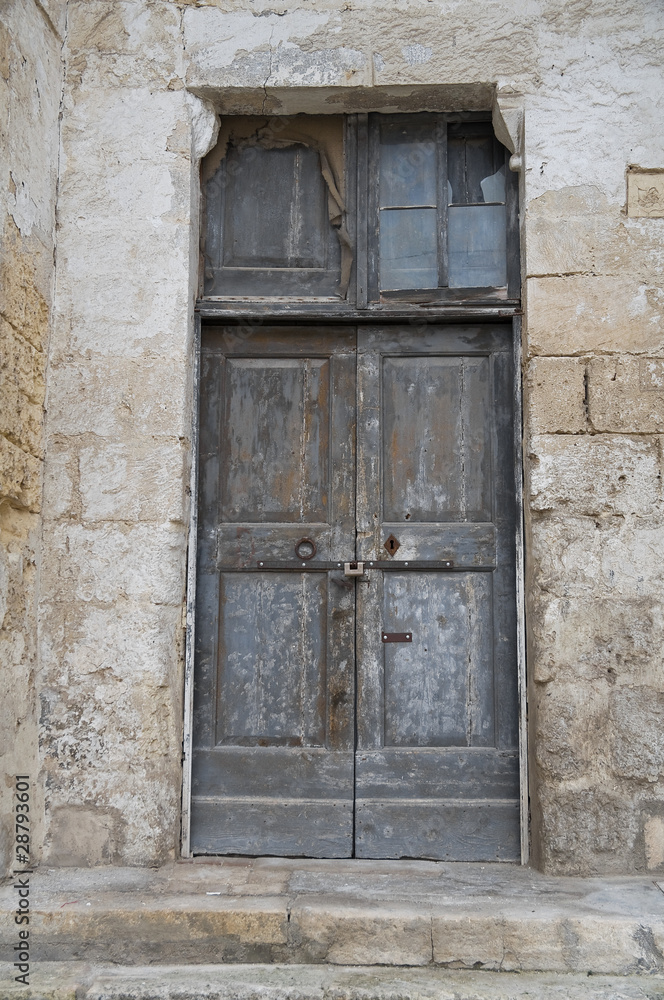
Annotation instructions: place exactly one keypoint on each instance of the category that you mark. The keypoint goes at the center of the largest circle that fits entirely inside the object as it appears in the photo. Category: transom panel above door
(407, 556)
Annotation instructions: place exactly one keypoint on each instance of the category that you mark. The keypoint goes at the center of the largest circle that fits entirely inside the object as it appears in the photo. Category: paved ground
(316, 982)
(397, 913)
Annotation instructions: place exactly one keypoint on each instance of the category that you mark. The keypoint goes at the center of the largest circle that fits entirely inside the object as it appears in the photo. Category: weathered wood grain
(435, 720)
(275, 665)
(439, 829)
(435, 431)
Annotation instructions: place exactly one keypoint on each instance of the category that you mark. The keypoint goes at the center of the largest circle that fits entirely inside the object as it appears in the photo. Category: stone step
(485, 917)
(78, 981)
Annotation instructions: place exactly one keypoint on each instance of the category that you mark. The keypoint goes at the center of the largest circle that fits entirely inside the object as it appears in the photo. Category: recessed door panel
(272, 659)
(275, 440)
(436, 440)
(439, 687)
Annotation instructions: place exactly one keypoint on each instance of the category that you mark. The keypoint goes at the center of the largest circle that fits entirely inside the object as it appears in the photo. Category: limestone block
(205, 929)
(321, 48)
(577, 230)
(141, 481)
(515, 940)
(654, 841)
(128, 198)
(358, 935)
(570, 729)
(126, 44)
(120, 398)
(108, 562)
(20, 476)
(21, 362)
(605, 557)
(90, 645)
(21, 389)
(22, 302)
(580, 314)
(20, 417)
(29, 121)
(586, 831)
(555, 396)
(107, 129)
(470, 942)
(83, 836)
(626, 394)
(114, 308)
(564, 227)
(588, 638)
(637, 735)
(218, 52)
(631, 246)
(137, 813)
(594, 474)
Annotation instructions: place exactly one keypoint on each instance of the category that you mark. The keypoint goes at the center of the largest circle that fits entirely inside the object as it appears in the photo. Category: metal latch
(397, 636)
(354, 569)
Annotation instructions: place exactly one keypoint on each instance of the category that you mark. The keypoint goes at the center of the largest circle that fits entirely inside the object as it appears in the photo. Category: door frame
(189, 608)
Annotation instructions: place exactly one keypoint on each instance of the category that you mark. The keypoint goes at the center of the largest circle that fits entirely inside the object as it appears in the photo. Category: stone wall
(30, 90)
(578, 85)
(119, 417)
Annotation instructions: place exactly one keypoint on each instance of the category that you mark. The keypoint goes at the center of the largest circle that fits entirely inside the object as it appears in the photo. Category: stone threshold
(272, 911)
(78, 981)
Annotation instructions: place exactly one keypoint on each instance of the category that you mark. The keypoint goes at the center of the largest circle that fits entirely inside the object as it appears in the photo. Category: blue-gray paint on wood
(424, 762)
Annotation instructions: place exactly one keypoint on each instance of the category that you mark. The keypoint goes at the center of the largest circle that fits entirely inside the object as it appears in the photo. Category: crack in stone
(269, 72)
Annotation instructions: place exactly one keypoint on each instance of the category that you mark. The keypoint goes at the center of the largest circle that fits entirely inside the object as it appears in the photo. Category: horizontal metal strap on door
(291, 566)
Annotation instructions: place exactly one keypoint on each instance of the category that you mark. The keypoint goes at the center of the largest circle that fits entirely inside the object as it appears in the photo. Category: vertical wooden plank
(362, 187)
(373, 164)
(352, 219)
(440, 134)
(507, 716)
(190, 635)
(370, 679)
(342, 456)
(521, 596)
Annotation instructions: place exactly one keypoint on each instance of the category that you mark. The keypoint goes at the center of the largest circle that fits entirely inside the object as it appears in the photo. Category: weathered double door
(342, 709)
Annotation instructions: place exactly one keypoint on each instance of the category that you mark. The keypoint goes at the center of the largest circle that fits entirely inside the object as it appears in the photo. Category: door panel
(439, 687)
(272, 659)
(435, 429)
(274, 692)
(275, 437)
(436, 439)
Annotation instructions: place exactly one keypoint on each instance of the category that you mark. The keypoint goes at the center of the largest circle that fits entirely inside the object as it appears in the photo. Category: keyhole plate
(391, 545)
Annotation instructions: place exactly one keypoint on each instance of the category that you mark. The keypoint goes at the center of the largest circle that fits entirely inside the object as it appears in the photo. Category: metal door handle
(354, 569)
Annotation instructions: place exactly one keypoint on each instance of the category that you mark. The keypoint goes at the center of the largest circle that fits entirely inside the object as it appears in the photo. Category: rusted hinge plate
(397, 636)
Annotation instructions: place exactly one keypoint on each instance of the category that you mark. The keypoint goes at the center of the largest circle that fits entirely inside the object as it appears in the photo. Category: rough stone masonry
(107, 107)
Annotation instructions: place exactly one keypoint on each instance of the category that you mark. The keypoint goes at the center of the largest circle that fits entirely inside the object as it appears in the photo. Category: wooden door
(274, 677)
(437, 752)
(277, 719)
